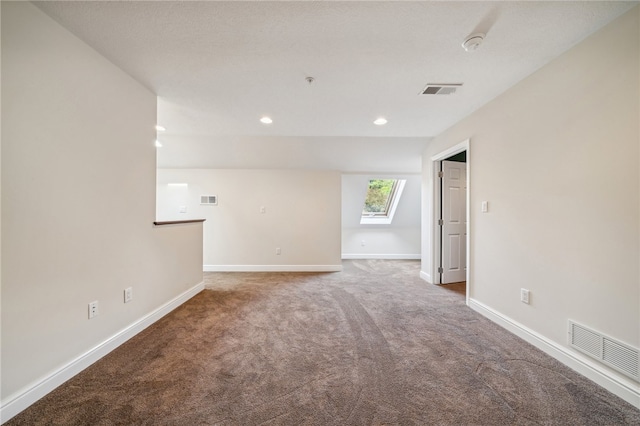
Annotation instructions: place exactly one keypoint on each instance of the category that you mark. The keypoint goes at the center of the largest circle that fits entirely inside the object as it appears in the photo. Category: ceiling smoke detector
(472, 42)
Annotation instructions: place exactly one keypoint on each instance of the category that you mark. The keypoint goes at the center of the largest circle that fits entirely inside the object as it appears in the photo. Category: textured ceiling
(217, 67)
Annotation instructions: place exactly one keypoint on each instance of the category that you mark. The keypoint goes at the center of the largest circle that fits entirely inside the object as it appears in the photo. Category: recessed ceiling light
(160, 128)
(380, 121)
(158, 144)
(266, 120)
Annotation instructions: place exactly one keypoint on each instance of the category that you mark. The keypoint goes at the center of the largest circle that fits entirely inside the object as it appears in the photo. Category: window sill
(375, 221)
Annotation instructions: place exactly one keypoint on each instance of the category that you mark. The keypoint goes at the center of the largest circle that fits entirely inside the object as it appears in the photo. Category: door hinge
(440, 222)
(440, 174)
(440, 270)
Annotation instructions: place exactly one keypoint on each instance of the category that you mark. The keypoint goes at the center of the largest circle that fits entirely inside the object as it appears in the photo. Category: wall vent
(209, 200)
(440, 89)
(611, 352)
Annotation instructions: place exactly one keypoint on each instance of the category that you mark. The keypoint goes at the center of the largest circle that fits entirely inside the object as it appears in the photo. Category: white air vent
(209, 200)
(440, 89)
(617, 355)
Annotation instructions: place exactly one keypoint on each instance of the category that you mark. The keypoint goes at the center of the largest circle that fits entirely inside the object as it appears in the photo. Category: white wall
(347, 154)
(557, 157)
(78, 205)
(302, 216)
(398, 240)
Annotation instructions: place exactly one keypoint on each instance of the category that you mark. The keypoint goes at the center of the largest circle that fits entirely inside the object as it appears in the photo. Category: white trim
(426, 277)
(456, 149)
(22, 399)
(272, 268)
(618, 385)
(435, 205)
(382, 256)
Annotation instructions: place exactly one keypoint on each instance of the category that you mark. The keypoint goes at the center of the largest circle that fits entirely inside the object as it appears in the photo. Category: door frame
(435, 228)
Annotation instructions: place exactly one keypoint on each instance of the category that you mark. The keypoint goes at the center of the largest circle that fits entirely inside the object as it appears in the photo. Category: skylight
(381, 200)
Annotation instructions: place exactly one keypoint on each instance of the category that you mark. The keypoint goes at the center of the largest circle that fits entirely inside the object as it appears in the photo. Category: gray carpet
(371, 345)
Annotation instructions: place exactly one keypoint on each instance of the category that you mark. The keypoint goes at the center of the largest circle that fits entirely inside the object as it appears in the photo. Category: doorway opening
(450, 218)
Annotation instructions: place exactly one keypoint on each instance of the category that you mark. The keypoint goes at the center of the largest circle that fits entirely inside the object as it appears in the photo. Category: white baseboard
(272, 268)
(618, 385)
(383, 256)
(426, 277)
(21, 400)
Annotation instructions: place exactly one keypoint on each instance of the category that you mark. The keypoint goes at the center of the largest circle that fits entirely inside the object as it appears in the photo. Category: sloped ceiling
(217, 67)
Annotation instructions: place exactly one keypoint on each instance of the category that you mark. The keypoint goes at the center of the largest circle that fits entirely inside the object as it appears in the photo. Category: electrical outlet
(524, 295)
(278, 251)
(93, 309)
(128, 294)
(362, 243)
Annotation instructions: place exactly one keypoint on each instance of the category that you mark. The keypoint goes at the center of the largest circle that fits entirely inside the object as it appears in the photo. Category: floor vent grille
(617, 355)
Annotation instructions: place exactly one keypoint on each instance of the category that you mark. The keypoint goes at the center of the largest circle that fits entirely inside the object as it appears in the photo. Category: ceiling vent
(209, 200)
(440, 89)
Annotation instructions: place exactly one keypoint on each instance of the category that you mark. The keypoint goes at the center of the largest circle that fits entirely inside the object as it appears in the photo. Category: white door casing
(454, 222)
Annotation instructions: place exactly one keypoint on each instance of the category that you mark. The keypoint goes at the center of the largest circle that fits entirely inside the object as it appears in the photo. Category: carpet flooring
(372, 345)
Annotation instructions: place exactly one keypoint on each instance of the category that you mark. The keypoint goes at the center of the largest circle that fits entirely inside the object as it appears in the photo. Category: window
(381, 200)
(379, 197)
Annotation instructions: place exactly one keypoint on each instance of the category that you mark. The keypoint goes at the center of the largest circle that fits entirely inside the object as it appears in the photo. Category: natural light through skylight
(381, 200)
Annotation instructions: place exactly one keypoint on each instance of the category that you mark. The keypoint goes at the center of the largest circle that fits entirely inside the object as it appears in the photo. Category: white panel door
(454, 226)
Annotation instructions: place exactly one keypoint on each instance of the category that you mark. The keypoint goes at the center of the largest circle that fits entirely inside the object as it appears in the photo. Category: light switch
(485, 206)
